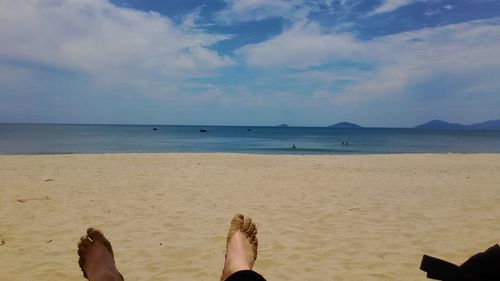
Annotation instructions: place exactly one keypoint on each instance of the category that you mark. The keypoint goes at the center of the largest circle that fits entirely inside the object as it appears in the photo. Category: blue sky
(249, 62)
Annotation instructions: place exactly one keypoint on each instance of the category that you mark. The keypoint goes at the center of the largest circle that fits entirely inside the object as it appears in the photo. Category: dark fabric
(438, 269)
(483, 266)
(245, 275)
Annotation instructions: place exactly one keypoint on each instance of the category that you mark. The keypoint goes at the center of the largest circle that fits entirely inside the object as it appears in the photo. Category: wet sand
(319, 217)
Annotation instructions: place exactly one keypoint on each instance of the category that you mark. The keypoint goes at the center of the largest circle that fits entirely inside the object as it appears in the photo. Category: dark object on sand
(203, 131)
(155, 129)
(24, 200)
(480, 267)
(245, 275)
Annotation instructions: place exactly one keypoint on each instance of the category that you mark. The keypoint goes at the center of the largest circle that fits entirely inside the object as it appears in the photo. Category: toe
(84, 243)
(95, 234)
(236, 224)
(250, 230)
(237, 221)
(246, 224)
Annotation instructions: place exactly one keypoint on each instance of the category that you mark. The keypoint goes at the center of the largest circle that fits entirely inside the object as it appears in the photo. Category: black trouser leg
(245, 275)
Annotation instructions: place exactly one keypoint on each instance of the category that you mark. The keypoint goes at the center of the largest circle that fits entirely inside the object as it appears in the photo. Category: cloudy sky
(249, 62)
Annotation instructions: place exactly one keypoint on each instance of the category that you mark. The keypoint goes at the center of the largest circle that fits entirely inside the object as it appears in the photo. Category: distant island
(440, 124)
(345, 125)
(433, 124)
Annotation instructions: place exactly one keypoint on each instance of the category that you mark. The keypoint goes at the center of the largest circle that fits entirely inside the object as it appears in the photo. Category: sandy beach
(319, 217)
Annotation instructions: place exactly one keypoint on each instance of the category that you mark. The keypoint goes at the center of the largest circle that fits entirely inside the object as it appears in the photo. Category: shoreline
(332, 217)
(250, 154)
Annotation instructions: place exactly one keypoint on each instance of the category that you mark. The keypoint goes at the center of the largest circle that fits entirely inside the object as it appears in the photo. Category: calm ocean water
(55, 139)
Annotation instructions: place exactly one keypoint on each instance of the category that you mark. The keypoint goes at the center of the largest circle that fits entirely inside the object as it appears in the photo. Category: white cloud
(392, 5)
(432, 12)
(301, 46)
(436, 11)
(292, 10)
(462, 51)
(401, 63)
(106, 42)
(299, 10)
(254, 10)
(329, 76)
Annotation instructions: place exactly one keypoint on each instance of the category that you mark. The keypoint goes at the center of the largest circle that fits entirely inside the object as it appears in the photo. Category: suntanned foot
(241, 246)
(96, 257)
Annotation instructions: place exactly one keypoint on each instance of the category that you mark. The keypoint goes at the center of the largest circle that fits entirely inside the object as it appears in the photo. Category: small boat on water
(203, 130)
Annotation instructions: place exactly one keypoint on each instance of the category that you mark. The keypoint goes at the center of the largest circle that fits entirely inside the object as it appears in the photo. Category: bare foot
(96, 257)
(241, 246)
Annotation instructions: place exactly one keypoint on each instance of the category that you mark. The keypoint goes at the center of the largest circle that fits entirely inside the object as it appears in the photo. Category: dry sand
(319, 217)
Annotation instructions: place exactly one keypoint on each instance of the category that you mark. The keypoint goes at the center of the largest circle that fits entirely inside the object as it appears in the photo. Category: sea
(18, 139)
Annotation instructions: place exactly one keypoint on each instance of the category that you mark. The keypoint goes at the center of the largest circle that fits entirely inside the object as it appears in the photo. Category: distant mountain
(440, 124)
(345, 125)
(282, 125)
(490, 124)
